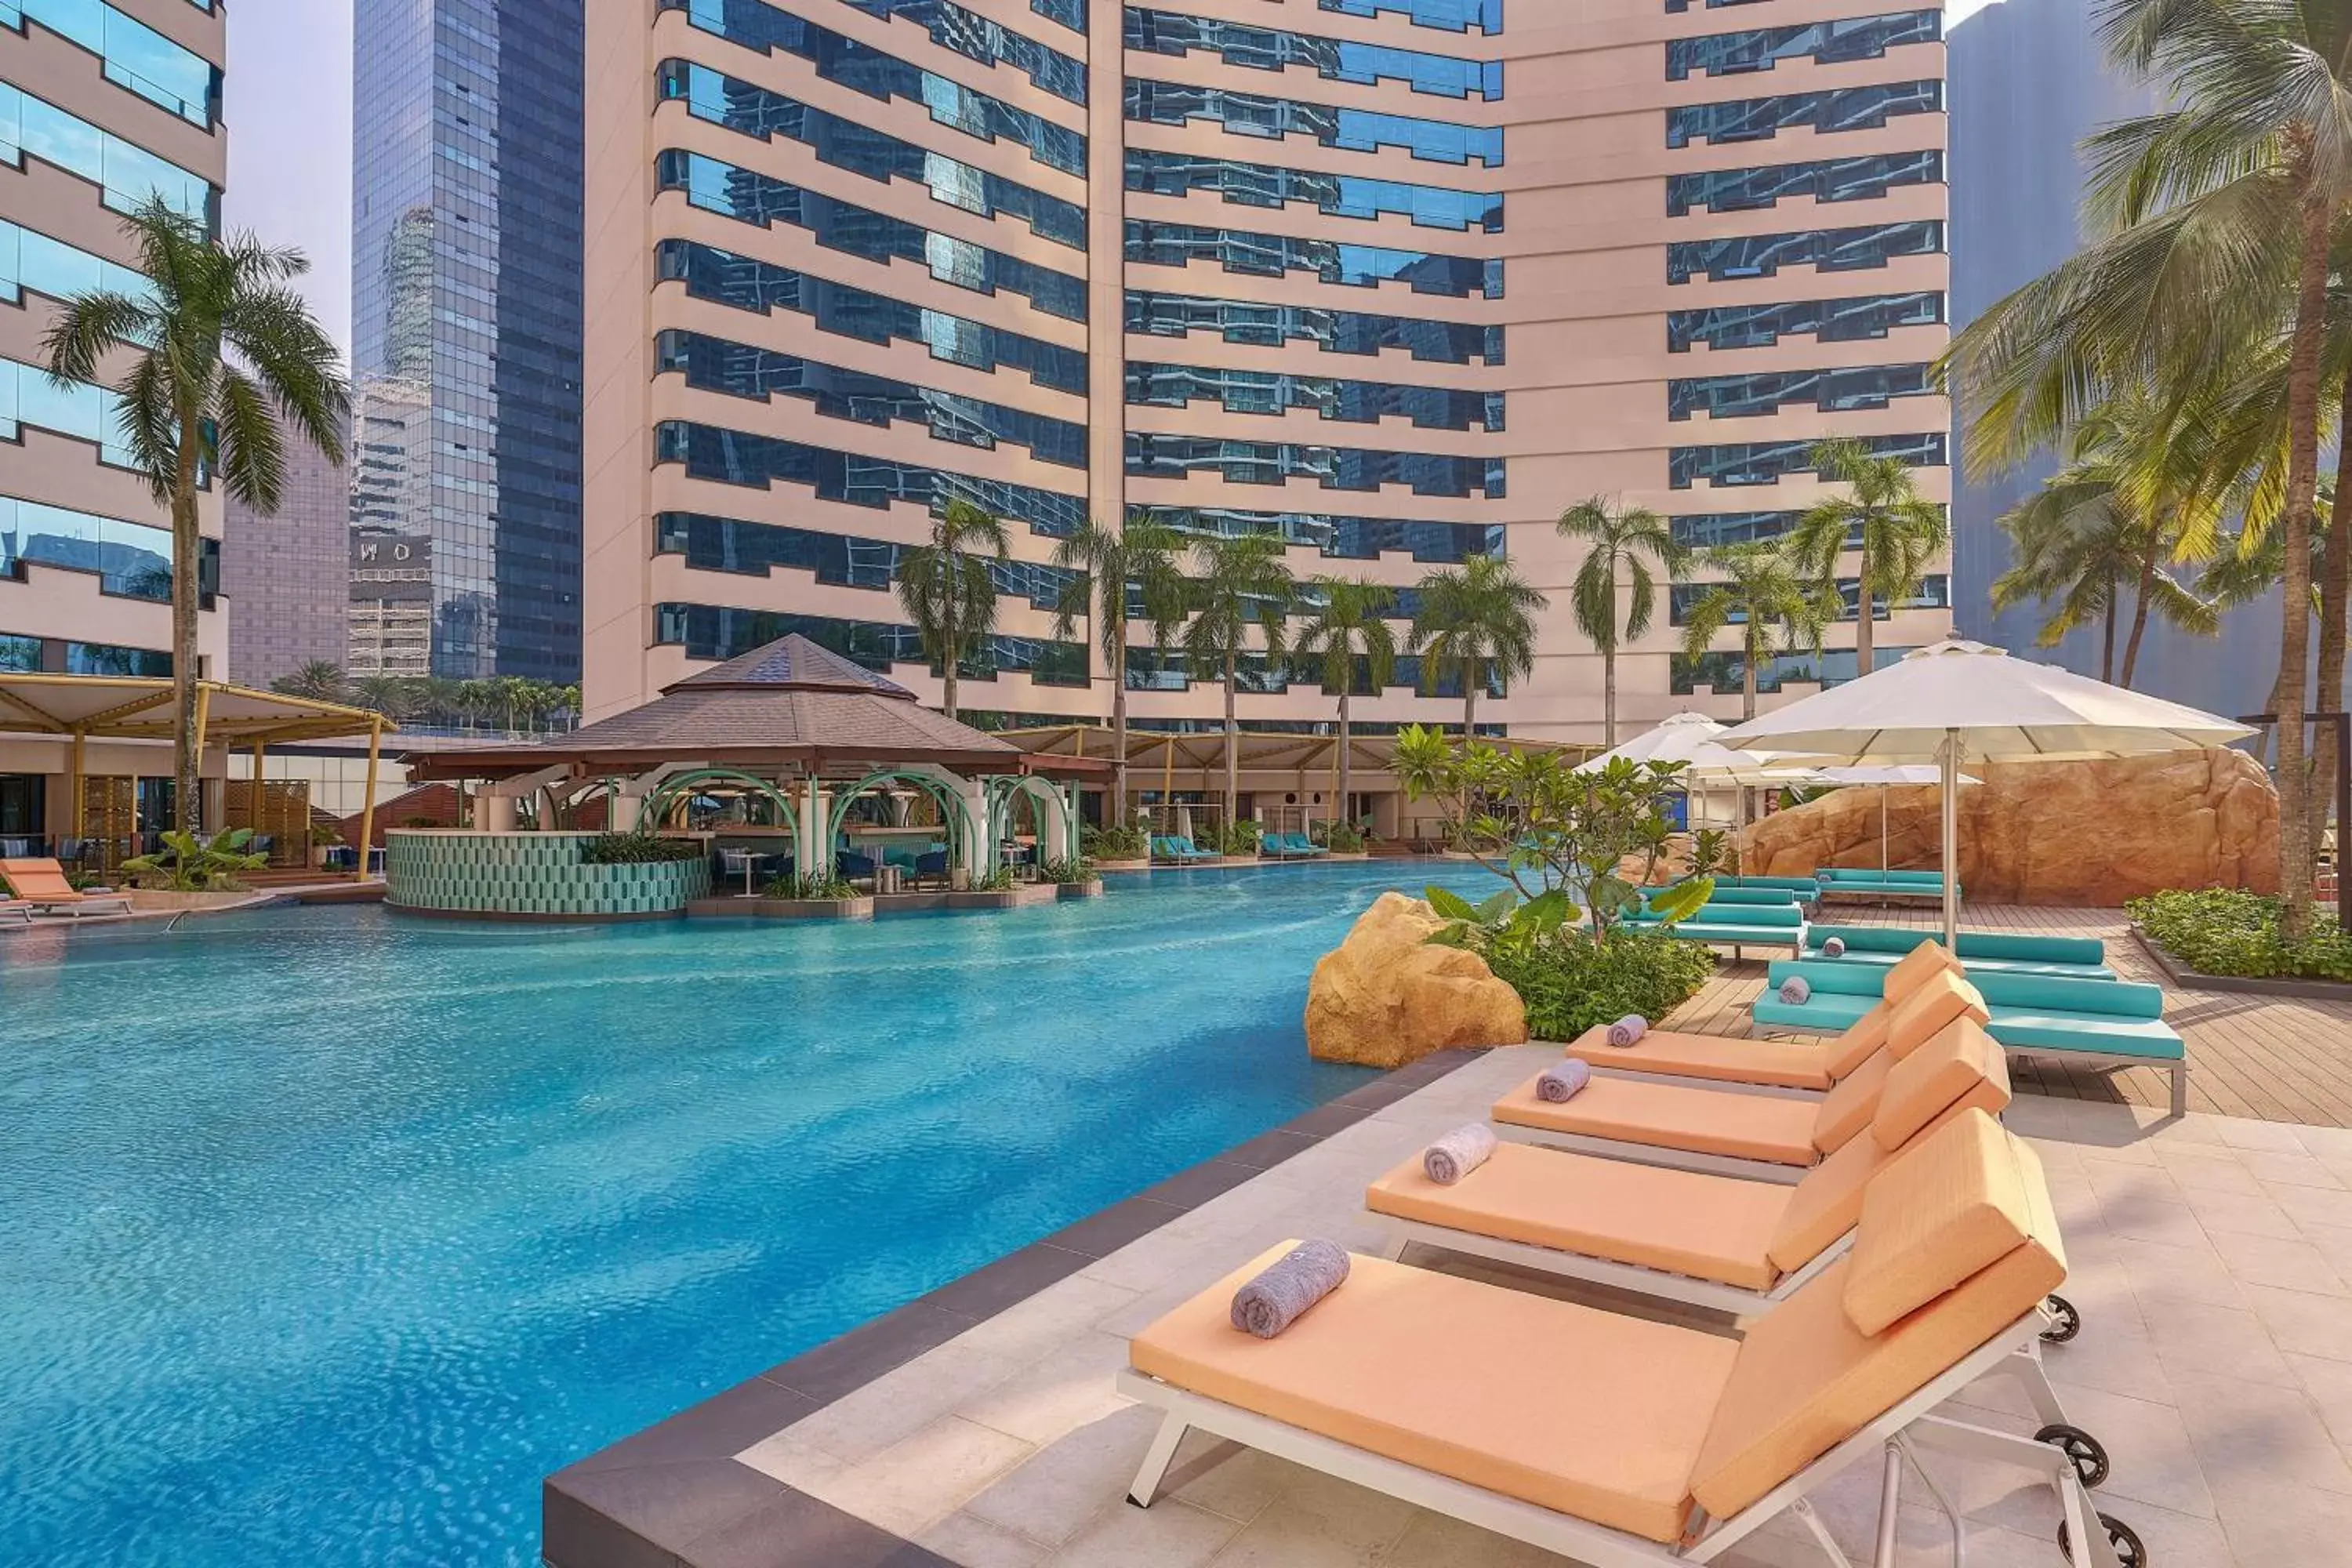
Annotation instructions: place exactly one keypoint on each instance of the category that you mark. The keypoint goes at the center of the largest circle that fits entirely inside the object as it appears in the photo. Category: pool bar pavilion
(791, 768)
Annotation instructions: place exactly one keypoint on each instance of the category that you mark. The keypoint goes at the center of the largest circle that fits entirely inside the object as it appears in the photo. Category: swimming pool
(325, 1234)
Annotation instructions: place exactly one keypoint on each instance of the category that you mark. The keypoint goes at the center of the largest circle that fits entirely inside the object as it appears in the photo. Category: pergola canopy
(1204, 751)
(139, 708)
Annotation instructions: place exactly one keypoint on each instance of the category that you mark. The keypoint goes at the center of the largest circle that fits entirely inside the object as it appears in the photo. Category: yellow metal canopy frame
(78, 708)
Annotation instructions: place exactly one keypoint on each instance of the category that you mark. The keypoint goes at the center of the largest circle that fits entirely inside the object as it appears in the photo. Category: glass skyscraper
(466, 131)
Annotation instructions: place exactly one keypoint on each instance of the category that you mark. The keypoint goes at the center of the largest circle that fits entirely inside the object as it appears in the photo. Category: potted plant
(322, 839)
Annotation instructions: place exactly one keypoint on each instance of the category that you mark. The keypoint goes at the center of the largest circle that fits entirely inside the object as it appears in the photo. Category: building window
(1330, 261)
(746, 283)
(1724, 671)
(1935, 593)
(976, 38)
(125, 173)
(1830, 180)
(1261, 325)
(1829, 391)
(131, 54)
(1155, 455)
(1343, 538)
(1765, 462)
(1335, 196)
(131, 559)
(1709, 530)
(1840, 108)
(1823, 249)
(756, 198)
(711, 544)
(716, 632)
(1333, 397)
(737, 457)
(1830, 320)
(1837, 42)
(1275, 119)
(1453, 16)
(1254, 48)
(742, 370)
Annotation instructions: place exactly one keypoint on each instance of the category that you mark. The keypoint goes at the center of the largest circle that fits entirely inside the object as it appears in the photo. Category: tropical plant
(219, 350)
(1767, 594)
(1239, 586)
(1570, 986)
(1343, 838)
(188, 863)
(1121, 569)
(997, 881)
(1710, 853)
(832, 889)
(2220, 930)
(1115, 844)
(640, 847)
(1476, 621)
(947, 590)
(321, 680)
(1897, 532)
(1063, 873)
(1350, 624)
(1625, 542)
(1239, 838)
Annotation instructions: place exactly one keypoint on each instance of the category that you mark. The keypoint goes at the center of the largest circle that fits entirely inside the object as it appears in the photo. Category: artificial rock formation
(1384, 997)
(2086, 833)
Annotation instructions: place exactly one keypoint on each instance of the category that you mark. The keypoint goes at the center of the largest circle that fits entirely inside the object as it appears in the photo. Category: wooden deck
(2261, 1056)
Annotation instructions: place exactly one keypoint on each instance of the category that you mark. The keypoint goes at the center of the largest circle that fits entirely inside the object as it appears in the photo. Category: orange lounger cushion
(1579, 1411)
(38, 881)
(1673, 1116)
(1775, 1063)
(1707, 1227)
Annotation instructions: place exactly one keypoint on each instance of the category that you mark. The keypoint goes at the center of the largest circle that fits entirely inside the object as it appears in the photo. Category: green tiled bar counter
(529, 875)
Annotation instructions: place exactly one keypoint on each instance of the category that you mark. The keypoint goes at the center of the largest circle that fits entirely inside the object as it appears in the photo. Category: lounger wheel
(2129, 1551)
(2069, 1323)
(2085, 1452)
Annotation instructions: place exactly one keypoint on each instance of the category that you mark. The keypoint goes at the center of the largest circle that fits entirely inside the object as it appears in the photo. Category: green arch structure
(1002, 792)
(953, 812)
(670, 790)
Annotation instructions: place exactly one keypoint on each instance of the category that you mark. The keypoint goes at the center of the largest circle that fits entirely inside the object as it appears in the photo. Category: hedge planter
(1092, 888)
(1122, 865)
(531, 876)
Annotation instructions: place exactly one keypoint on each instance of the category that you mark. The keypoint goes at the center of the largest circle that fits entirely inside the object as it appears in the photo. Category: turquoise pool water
(325, 1234)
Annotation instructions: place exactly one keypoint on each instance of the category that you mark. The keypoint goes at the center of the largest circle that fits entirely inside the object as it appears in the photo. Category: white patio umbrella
(1693, 739)
(1960, 699)
(1672, 740)
(1886, 778)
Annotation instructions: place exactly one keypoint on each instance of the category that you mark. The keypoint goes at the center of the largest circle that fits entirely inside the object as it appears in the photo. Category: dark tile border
(673, 1495)
(2188, 979)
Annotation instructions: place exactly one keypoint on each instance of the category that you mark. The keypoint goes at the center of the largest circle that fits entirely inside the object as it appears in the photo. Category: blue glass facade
(1255, 47)
(1827, 391)
(1765, 462)
(1828, 180)
(1823, 249)
(1824, 42)
(1337, 195)
(467, 258)
(737, 457)
(1840, 108)
(1333, 397)
(1330, 261)
(1350, 129)
(1341, 538)
(1830, 320)
(1333, 332)
(1155, 455)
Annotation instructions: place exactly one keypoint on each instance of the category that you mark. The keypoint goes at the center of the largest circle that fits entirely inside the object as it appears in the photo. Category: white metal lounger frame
(1897, 1434)
(1652, 1154)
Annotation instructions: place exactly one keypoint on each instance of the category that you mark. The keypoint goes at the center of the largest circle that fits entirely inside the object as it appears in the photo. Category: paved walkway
(2258, 1057)
(2209, 1256)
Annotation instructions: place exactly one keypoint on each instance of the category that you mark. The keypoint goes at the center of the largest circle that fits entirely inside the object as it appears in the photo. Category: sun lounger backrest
(1857, 1046)
(34, 881)
(1961, 1065)
(1807, 1378)
(1917, 1018)
(2065, 993)
(1928, 958)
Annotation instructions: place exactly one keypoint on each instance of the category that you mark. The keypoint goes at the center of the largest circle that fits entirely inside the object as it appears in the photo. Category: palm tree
(1623, 543)
(218, 352)
(1239, 585)
(1764, 590)
(2218, 215)
(1476, 620)
(947, 589)
(386, 694)
(1140, 556)
(1350, 624)
(1883, 516)
(321, 680)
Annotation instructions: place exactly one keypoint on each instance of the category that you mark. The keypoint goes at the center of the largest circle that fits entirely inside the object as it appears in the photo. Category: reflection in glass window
(1935, 593)
(1725, 671)
(1840, 390)
(1344, 537)
(1838, 108)
(1830, 320)
(1828, 179)
(758, 198)
(976, 38)
(1675, 7)
(1454, 16)
(19, 655)
(1330, 260)
(132, 560)
(1350, 130)
(31, 260)
(1333, 397)
(742, 370)
(87, 413)
(112, 658)
(1707, 530)
(1823, 249)
(746, 283)
(1824, 42)
(127, 173)
(1339, 195)
(846, 144)
(758, 549)
(1254, 48)
(757, 24)
(1262, 325)
(1154, 456)
(1765, 462)
(132, 54)
(737, 457)
(717, 632)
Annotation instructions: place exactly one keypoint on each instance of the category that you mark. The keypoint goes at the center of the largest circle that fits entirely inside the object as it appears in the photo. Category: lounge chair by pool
(1866, 882)
(1736, 926)
(42, 884)
(2015, 952)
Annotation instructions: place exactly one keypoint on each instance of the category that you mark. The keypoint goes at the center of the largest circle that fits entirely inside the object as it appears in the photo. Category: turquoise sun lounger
(1735, 926)
(1868, 882)
(2013, 953)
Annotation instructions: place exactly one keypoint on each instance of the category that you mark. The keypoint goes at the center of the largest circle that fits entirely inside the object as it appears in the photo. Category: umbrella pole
(1882, 832)
(1951, 760)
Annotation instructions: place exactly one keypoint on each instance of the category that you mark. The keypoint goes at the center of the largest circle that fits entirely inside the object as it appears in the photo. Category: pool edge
(674, 1496)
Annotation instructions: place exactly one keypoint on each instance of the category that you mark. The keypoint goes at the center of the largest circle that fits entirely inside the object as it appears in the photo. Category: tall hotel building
(104, 104)
(1398, 281)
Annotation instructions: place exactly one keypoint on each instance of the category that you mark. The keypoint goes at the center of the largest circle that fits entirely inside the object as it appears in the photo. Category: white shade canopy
(1671, 740)
(1905, 773)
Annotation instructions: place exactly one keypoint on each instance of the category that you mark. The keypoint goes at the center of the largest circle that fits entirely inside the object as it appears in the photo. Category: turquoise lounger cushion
(1831, 1014)
(1974, 965)
(1734, 935)
(2023, 1029)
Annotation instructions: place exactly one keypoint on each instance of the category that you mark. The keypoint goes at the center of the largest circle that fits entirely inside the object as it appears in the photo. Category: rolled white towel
(1795, 991)
(1458, 1153)
(1561, 1084)
(1285, 1287)
(1835, 947)
(1626, 1030)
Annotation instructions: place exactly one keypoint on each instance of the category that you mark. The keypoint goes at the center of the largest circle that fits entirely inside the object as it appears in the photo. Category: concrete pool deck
(2209, 1257)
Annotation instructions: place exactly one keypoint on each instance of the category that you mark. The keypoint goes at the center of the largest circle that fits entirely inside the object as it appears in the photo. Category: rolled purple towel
(1795, 991)
(1285, 1287)
(1458, 1153)
(1835, 947)
(1628, 1029)
(1561, 1083)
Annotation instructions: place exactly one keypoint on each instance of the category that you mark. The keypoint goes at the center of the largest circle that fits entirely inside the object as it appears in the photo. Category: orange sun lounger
(42, 885)
(1625, 1443)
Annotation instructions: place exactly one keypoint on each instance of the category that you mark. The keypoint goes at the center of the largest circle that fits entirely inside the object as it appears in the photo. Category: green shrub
(638, 849)
(1066, 871)
(804, 887)
(1342, 839)
(2220, 931)
(997, 881)
(1115, 844)
(1234, 838)
(1569, 983)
